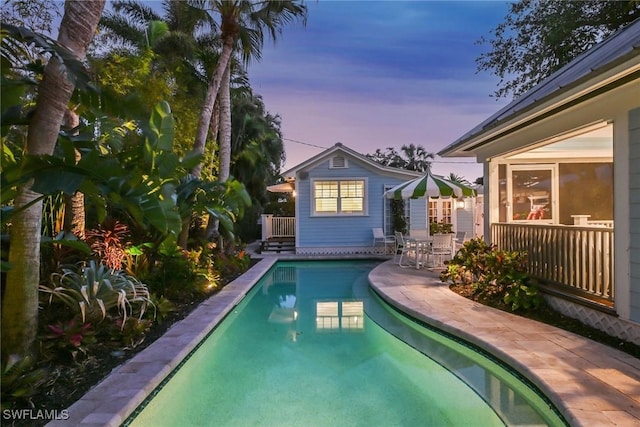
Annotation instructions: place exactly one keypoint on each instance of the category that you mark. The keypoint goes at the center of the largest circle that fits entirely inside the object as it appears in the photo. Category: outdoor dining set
(418, 248)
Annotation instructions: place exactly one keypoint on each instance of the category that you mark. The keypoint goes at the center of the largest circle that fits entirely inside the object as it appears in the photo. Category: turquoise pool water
(312, 345)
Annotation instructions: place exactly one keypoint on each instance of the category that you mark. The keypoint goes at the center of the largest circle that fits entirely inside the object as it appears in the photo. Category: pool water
(312, 345)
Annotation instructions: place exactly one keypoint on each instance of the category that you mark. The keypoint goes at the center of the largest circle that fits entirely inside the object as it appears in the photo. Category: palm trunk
(209, 101)
(74, 215)
(225, 126)
(205, 117)
(20, 299)
(224, 142)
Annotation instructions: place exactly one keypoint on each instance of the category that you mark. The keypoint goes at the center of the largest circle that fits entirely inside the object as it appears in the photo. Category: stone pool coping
(591, 384)
(115, 398)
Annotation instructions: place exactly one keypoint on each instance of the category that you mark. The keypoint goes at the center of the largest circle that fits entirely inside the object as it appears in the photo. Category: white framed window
(339, 197)
(441, 211)
(532, 192)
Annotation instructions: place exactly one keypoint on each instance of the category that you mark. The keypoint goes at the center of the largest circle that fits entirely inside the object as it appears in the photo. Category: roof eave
(581, 90)
(313, 161)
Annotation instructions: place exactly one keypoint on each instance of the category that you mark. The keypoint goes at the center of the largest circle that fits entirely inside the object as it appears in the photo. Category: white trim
(555, 189)
(343, 165)
(365, 197)
(557, 100)
(324, 156)
(337, 250)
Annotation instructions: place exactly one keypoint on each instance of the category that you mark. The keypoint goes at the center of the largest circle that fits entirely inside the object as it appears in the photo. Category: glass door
(532, 192)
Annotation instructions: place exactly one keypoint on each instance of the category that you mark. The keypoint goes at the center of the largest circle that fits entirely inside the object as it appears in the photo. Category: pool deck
(591, 384)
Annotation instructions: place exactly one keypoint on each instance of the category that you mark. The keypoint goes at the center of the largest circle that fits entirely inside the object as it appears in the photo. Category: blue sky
(377, 74)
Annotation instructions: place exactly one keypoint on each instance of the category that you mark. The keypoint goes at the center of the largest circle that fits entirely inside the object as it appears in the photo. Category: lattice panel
(342, 250)
(614, 326)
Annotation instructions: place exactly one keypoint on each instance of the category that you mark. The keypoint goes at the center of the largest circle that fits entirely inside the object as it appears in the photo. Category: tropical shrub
(232, 262)
(180, 274)
(163, 307)
(493, 273)
(440, 228)
(95, 291)
(20, 381)
(130, 333)
(108, 242)
(68, 338)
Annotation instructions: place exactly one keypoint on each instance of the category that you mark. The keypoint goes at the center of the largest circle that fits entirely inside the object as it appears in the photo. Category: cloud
(373, 74)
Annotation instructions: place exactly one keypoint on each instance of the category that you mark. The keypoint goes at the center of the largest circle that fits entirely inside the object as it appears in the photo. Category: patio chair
(441, 246)
(461, 236)
(380, 237)
(402, 248)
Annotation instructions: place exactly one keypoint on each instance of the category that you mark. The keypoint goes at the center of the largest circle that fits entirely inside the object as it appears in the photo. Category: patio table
(420, 243)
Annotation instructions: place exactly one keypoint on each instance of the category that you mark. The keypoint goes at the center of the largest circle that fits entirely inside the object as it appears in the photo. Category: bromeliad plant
(494, 273)
(68, 338)
(95, 291)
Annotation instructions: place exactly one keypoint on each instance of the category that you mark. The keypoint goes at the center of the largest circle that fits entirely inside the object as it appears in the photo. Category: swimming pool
(311, 345)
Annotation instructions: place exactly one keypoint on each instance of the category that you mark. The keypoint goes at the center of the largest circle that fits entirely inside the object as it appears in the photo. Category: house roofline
(339, 147)
(528, 109)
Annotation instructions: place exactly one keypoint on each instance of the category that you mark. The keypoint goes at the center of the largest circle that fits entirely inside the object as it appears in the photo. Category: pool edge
(117, 396)
(422, 295)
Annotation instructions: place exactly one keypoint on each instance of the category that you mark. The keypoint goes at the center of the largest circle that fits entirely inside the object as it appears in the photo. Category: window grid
(447, 211)
(339, 197)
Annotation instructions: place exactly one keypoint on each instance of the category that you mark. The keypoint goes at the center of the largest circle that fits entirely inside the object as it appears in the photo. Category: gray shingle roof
(617, 48)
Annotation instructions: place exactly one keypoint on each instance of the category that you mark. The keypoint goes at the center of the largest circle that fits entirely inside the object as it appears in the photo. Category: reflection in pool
(312, 345)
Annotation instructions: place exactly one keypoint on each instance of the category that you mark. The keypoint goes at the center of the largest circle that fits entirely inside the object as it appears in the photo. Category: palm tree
(20, 299)
(258, 153)
(417, 158)
(135, 27)
(457, 178)
(242, 24)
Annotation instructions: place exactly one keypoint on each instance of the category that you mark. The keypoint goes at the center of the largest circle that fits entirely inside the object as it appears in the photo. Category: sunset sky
(377, 74)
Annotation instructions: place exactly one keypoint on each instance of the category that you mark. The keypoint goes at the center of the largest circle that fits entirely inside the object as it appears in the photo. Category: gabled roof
(620, 47)
(338, 148)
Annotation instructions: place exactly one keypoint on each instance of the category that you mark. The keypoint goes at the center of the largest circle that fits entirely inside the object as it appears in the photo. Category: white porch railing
(278, 226)
(574, 258)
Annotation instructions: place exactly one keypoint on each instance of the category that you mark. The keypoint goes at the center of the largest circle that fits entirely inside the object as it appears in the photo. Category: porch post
(266, 226)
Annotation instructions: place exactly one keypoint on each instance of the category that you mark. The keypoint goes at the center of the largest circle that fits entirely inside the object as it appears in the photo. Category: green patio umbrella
(430, 185)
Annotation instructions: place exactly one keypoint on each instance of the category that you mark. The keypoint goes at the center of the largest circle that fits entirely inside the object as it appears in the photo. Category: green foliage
(94, 291)
(522, 296)
(494, 273)
(224, 201)
(539, 37)
(20, 381)
(180, 274)
(399, 221)
(284, 205)
(163, 307)
(231, 263)
(131, 332)
(440, 228)
(410, 157)
(139, 180)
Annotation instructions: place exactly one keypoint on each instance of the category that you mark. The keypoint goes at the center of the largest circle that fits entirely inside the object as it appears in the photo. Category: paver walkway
(590, 383)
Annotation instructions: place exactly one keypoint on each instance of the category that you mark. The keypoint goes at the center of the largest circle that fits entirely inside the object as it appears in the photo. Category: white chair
(441, 245)
(379, 237)
(458, 242)
(403, 247)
